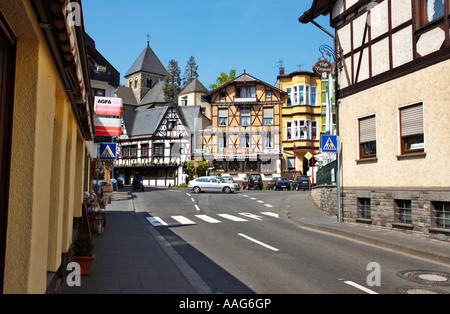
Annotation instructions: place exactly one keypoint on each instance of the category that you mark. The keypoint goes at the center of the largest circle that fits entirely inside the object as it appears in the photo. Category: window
(268, 116)
(364, 208)
(171, 124)
(184, 100)
(367, 137)
(158, 150)
(289, 131)
(245, 92)
(440, 215)
(245, 116)
(290, 162)
(222, 141)
(301, 130)
(313, 95)
(133, 151)
(149, 83)
(268, 94)
(125, 151)
(403, 213)
(222, 95)
(288, 99)
(144, 150)
(223, 117)
(411, 129)
(245, 141)
(430, 10)
(268, 141)
(98, 92)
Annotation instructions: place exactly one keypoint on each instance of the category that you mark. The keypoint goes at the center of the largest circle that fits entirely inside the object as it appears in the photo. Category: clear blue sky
(251, 35)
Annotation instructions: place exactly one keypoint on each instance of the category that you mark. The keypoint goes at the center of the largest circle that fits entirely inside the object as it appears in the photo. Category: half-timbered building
(157, 143)
(246, 127)
(393, 110)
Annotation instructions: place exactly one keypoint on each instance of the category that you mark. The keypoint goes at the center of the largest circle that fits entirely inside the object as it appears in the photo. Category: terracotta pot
(85, 263)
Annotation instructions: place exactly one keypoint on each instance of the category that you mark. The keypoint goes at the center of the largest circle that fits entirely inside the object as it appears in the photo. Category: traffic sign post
(195, 164)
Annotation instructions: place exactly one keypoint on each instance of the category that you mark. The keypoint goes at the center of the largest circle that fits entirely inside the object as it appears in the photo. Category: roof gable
(195, 86)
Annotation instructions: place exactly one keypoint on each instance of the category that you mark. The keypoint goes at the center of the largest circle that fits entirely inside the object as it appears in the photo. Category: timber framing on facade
(393, 101)
(246, 126)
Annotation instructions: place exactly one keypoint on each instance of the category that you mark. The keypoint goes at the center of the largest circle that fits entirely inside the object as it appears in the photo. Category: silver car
(212, 184)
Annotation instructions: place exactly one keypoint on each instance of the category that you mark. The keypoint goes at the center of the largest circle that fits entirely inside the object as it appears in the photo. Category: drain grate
(419, 290)
(426, 277)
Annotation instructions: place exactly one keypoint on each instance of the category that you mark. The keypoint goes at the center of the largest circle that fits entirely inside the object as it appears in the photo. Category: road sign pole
(338, 184)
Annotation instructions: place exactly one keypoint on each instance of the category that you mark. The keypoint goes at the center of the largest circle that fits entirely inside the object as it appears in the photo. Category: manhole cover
(426, 277)
(419, 290)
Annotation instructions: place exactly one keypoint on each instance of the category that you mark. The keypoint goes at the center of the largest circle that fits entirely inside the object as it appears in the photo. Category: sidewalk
(132, 258)
(309, 216)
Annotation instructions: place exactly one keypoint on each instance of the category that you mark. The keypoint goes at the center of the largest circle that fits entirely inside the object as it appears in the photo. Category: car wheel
(227, 189)
(196, 189)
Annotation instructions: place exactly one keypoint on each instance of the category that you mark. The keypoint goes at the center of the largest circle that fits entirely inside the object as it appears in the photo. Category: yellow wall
(429, 86)
(46, 164)
(300, 112)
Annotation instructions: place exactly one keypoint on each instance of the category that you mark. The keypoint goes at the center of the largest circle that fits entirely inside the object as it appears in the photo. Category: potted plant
(83, 248)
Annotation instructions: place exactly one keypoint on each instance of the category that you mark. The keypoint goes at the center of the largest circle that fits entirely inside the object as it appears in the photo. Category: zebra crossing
(194, 219)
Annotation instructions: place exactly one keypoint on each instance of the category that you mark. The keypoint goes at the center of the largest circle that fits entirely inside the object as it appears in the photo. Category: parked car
(228, 179)
(212, 184)
(301, 182)
(279, 183)
(253, 181)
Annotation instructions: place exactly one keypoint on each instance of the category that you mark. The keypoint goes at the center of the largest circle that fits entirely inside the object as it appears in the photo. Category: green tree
(172, 82)
(201, 170)
(223, 79)
(190, 71)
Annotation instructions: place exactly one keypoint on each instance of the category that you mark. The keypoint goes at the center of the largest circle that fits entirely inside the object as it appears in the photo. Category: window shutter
(412, 120)
(367, 130)
(268, 112)
(223, 113)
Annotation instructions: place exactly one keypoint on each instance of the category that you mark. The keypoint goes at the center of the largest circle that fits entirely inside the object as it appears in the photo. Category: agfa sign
(323, 66)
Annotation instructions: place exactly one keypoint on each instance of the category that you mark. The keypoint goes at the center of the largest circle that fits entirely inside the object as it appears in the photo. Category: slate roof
(127, 95)
(155, 95)
(195, 86)
(147, 62)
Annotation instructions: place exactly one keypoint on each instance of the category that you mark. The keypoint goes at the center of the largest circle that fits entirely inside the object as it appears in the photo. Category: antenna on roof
(148, 40)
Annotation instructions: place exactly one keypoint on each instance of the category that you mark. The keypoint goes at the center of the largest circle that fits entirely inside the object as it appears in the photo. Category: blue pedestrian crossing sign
(108, 151)
(328, 143)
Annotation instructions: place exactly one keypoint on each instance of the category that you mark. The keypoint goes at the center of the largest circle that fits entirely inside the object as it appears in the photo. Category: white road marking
(271, 214)
(188, 194)
(252, 198)
(156, 221)
(208, 219)
(245, 195)
(268, 205)
(353, 284)
(192, 199)
(260, 201)
(259, 242)
(231, 217)
(250, 215)
(196, 207)
(183, 220)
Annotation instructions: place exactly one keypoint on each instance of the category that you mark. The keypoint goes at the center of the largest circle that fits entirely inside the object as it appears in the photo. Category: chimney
(281, 70)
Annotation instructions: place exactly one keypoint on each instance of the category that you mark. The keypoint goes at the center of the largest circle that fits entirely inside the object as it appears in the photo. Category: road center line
(196, 207)
(258, 242)
(353, 284)
(192, 199)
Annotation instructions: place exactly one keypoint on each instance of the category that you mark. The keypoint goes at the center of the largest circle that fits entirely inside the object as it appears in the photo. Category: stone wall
(382, 207)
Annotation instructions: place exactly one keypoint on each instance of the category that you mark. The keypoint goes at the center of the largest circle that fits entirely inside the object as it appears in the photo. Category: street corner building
(46, 131)
(393, 111)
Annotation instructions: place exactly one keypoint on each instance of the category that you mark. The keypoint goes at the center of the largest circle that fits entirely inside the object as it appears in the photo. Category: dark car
(253, 181)
(279, 183)
(301, 182)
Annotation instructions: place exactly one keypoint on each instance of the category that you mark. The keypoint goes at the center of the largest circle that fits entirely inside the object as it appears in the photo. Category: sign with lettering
(323, 66)
(108, 106)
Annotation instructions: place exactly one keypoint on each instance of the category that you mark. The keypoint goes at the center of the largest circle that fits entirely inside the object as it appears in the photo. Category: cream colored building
(393, 111)
(45, 99)
(192, 95)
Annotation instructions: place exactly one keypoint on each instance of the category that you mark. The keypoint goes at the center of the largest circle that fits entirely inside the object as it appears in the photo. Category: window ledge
(364, 160)
(412, 155)
(439, 230)
(402, 225)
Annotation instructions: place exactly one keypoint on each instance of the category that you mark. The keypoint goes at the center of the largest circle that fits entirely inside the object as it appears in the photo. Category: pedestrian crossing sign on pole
(108, 151)
(328, 143)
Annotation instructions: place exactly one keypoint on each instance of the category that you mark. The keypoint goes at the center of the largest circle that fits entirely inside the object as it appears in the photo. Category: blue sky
(251, 35)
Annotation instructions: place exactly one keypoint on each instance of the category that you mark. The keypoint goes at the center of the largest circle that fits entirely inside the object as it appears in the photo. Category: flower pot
(85, 263)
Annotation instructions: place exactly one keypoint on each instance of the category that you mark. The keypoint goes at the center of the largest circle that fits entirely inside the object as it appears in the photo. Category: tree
(190, 71)
(172, 80)
(201, 170)
(223, 79)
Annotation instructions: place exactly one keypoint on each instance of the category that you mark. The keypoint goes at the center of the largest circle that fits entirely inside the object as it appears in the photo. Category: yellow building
(46, 123)
(301, 120)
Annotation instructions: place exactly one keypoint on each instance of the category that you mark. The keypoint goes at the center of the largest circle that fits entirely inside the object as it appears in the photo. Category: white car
(212, 184)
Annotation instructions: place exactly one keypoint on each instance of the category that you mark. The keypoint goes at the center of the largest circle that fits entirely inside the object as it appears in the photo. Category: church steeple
(145, 72)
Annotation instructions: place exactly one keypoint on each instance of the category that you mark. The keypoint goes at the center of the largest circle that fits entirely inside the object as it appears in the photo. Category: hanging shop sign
(323, 66)
(108, 126)
(108, 106)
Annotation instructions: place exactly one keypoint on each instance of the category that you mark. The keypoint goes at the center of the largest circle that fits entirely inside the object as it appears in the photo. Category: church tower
(145, 73)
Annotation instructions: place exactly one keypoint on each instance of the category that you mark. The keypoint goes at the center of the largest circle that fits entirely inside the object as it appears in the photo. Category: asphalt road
(239, 243)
